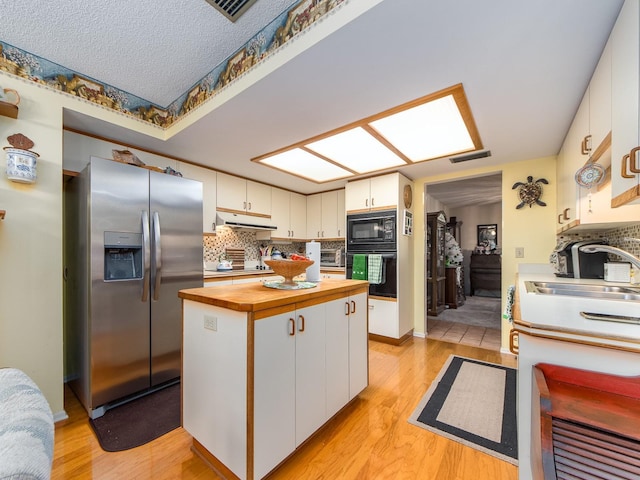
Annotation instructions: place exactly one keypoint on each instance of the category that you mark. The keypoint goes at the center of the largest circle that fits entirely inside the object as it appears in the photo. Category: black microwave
(371, 231)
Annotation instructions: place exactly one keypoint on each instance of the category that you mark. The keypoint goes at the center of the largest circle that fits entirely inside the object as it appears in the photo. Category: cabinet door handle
(322, 233)
(610, 318)
(346, 308)
(366, 202)
(249, 206)
(513, 342)
(632, 160)
(565, 213)
(586, 145)
(292, 327)
(560, 219)
(372, 201)
(623, 166)
(353, 306)
(301, 323)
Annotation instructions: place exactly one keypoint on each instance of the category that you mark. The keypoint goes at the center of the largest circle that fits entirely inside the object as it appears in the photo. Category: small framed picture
(488, 235)
(407, 223)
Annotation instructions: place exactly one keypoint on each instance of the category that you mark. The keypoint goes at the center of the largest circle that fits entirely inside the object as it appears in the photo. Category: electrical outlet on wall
(519, 252)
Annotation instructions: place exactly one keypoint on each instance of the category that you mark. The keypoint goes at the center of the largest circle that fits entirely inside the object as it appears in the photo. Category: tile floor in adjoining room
(452, 332)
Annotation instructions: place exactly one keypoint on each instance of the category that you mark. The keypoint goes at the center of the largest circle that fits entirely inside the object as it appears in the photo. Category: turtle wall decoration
(530, 192)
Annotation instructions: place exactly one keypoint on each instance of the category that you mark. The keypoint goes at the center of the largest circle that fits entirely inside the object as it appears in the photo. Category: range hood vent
(232, 9)
(244, 222)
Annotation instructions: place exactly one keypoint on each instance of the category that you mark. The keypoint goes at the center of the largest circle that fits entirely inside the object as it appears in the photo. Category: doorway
(470, 204)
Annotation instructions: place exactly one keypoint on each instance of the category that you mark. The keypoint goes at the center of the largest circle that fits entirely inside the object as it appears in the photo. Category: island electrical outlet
(211, 323)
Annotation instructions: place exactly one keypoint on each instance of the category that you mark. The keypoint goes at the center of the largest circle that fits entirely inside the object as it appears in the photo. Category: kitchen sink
(604, 292)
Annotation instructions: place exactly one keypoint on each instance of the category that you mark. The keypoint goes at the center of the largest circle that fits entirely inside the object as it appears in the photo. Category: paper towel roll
(312, 252)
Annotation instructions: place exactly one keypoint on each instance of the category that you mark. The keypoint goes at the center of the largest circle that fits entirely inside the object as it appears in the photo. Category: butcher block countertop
(253, 297)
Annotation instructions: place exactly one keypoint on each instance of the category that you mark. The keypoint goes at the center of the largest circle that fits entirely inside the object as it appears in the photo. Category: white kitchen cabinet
(358, 344)
(376, 193)
(289, 214)
(339, 276)
(600, 101)
(581, 208)
(209, 185)
(625, 111)
(237, 195)
(383, 317)
(311, 373)
(346, 319)
(337, 355)
(325, 215)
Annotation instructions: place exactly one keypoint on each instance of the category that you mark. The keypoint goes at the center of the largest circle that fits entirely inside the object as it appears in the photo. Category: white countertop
(562, 312)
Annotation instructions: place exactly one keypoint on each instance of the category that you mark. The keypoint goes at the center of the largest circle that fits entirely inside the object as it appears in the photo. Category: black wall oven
(375, 233)
(389, 285)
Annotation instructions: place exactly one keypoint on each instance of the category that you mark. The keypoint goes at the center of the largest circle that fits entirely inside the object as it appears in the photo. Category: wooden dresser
(485, 273)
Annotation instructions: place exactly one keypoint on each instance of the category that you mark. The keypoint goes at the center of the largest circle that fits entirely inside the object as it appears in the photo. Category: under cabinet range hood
(244, 222)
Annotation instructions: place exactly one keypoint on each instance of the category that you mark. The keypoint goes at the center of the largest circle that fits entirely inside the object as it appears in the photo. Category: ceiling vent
(232, 9)
(471, 156)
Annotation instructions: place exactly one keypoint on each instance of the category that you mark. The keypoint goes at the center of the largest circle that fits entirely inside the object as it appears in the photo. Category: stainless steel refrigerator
(138, 241)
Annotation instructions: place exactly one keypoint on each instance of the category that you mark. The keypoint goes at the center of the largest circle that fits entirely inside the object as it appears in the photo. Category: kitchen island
(264, 368)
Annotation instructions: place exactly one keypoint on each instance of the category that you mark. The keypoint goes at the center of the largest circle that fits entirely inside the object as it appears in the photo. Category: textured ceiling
(524, 66)
(156, 50)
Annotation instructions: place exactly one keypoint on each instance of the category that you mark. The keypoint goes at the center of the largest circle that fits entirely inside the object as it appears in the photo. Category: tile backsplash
(214, 245)
(615, 237)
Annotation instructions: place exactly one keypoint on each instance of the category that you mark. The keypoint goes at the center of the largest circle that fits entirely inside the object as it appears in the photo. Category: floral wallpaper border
(281, 30)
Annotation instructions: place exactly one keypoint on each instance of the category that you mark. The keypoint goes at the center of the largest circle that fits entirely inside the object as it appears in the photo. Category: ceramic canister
(21, 165)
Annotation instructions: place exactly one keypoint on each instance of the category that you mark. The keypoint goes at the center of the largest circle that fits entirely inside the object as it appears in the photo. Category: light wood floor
(369, 439)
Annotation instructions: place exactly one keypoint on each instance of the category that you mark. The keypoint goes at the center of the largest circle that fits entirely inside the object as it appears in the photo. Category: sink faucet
(635, 261)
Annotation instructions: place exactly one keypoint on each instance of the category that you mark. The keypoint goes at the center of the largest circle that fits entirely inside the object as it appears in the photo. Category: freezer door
(176, 264)
(118, 315)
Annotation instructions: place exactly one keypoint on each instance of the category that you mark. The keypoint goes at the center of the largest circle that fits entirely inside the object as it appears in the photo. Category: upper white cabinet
(289, 214)
(604, 130)
(599, 95)
(377, 193)
(209, 182)
(237, 195)
(326, 215)
(625, 83)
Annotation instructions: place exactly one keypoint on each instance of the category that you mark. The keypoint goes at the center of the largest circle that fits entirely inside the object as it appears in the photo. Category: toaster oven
(332, 257)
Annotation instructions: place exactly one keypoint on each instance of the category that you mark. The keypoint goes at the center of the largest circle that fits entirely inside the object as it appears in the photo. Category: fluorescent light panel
(430, 130)
(357, 150)
(424, 129)
(307, 165)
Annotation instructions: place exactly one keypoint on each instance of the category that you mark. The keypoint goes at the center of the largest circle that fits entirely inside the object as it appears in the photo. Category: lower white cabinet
(302, 362)
(383, 317)
(309, 363)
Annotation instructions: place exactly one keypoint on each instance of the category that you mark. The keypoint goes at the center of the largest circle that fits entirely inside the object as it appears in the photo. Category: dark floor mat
(139, 421)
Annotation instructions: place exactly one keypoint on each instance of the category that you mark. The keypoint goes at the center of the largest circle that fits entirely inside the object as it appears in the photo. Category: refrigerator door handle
(157, 251)
(147, 255)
